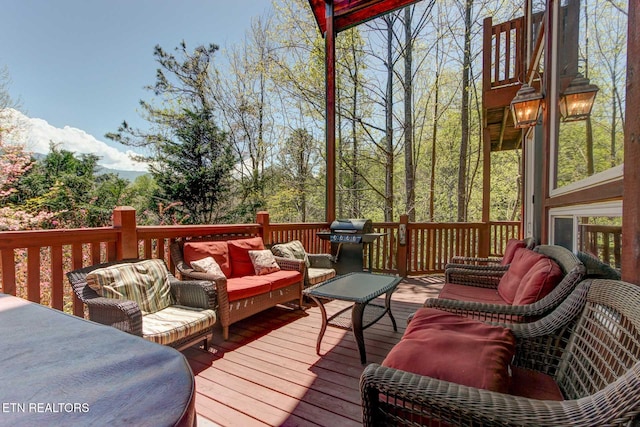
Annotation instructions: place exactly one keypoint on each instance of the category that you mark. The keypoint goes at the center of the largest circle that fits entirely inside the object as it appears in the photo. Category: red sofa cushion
(246, 287)
(241, 264)
(523, 260)
(219, 251)
(457, 349)
(538, 282)
(282, 278)
(510, 250)
(459, 292)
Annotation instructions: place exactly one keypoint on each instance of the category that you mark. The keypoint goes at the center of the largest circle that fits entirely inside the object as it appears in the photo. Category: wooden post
(403, 245)
(330, 69)
(124, 219)
(262, 218)
(631, 183)
(484, 240)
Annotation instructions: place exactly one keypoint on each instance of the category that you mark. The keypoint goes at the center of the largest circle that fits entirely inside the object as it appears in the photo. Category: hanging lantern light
(525, 107)
(577, 101)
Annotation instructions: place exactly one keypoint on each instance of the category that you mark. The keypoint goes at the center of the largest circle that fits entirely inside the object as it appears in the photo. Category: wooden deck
(268, 372)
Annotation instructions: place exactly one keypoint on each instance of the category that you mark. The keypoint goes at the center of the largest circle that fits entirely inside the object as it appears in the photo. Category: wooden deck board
(268, 372)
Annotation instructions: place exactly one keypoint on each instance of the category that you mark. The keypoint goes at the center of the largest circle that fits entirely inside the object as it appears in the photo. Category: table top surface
(357, 287)
(59, 369)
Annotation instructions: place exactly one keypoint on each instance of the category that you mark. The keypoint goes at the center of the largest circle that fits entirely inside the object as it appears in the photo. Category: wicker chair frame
(231, 312)
(590, 345)
(126, 315)
(572, 269)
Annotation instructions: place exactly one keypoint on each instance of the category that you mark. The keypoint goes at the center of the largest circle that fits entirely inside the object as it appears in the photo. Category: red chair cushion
(241, 264)
(219, 251)
(457, 349)
(534, 385)
(523, 260)
(510, 250)
(459, 292)
(538, 282)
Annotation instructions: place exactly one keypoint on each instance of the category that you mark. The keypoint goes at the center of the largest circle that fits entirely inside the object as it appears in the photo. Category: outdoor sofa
(242, 287)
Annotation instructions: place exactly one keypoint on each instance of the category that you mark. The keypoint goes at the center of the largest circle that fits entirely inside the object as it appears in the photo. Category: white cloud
(36, 134)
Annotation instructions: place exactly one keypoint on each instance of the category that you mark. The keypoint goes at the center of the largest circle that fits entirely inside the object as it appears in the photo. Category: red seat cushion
(219, 251)
(510, 250)
(523, 260)
(282, 278)
(241, 264)
(538, 282)
(459, 292)
(534, 385)
(457, 349)
(246, 287)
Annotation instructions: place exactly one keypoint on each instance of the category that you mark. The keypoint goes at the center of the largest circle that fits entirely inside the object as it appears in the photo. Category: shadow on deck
(268, 372)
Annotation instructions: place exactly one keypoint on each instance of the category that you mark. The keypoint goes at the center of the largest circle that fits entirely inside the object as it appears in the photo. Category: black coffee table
(360, 288)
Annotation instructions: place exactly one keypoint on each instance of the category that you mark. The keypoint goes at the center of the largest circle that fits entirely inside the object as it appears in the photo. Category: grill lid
(352, 226)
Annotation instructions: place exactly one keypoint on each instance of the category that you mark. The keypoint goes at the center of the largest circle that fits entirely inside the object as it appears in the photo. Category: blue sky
(84, 63)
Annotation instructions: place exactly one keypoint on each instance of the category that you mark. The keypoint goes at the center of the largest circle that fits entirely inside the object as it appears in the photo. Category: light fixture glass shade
(577, 101)
(525, 107)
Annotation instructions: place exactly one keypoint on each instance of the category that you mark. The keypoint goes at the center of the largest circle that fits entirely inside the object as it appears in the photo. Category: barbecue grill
(348, 238)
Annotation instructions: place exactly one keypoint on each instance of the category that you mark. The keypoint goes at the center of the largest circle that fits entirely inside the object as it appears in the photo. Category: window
(595, 229)
(592, 42)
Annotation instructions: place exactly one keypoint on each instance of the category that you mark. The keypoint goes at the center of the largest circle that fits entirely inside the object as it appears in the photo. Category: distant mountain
(128, 175)
(37, 134)
(124, 174)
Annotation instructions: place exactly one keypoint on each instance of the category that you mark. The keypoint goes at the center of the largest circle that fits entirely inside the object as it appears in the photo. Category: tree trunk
(464, 116)
(388, 186)
(408, 118)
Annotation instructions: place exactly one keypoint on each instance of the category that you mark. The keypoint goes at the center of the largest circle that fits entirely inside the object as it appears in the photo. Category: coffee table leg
(356, 322)
(323, 328)
(387, 303)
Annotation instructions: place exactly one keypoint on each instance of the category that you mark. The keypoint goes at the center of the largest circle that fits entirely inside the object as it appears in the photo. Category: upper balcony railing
(34, 263)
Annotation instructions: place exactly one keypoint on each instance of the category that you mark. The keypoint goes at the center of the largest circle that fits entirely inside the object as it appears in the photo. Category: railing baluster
(8, 272)
(33, 274)
(57, 278)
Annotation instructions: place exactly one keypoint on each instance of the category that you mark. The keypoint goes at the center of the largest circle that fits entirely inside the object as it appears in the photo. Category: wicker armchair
(127, 316)
(488, 277)
(319, 267)
(471, 262)
(589, 345)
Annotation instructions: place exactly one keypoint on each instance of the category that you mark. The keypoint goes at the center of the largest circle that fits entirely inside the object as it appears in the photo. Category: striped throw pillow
(145, 282)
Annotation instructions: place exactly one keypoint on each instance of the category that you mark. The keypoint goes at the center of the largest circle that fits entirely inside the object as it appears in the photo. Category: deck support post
(262, 218)
(631, 180)
(124, 220)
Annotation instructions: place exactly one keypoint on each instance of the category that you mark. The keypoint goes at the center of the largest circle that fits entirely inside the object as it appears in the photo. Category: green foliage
(69, 186)
(192, 160)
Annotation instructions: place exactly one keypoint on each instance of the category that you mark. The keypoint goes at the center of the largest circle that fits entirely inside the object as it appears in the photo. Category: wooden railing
(34, 263)
(603, 241)
(503, 49)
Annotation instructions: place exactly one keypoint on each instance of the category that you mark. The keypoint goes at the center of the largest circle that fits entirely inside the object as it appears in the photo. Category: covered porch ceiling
(348, 13)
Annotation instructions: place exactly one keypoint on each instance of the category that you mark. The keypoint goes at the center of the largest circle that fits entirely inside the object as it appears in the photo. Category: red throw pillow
(241, 264)
(510, 250)
(457, 349)
(219, 251)
(522, 262)
(538, 282)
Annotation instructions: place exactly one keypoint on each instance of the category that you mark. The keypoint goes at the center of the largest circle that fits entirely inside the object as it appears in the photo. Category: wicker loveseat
(586, 354)
(185, 318)
(240, 292)
(481, 299)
